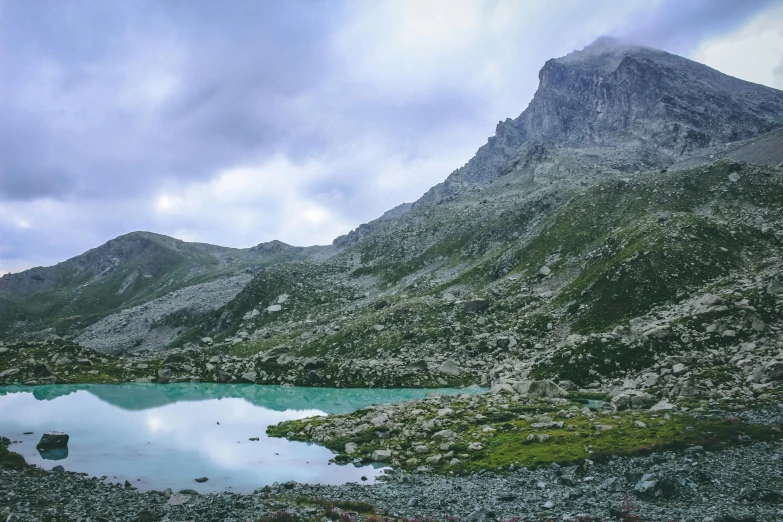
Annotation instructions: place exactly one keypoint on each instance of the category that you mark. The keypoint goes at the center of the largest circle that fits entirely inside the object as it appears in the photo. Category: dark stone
(314, 364)
(175, 358)
(58, 469)
(201, 479)
(147, 516)
(313, 376)
(476, 305)
(53, 439)
(41, 370)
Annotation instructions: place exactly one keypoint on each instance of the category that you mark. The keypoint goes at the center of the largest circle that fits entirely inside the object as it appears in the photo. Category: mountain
(624, 232)
(133, 270)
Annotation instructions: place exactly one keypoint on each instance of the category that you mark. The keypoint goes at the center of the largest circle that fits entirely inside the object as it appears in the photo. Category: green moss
(512, 440)
(9, 459)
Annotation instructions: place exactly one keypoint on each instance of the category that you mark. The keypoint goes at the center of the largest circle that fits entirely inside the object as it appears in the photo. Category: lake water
(161, 436)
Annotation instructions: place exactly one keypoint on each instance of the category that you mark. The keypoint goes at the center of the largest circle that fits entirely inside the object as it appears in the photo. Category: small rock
(202, 479)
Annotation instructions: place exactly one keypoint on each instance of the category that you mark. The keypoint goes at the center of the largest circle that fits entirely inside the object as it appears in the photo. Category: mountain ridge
(609, 232)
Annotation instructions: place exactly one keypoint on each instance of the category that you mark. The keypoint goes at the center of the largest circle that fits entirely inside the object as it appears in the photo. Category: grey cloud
(678, 26)
(252, 80)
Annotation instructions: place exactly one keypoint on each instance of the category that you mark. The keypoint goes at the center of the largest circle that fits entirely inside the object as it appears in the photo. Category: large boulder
(774, 370)
(709, 303)
(53, 440)
(541, 389)
(449, 367)
(164, 375)
(476, 305)
(249, 376)
(775, 287)
(381, 455)
(633, 400)
(653, 486)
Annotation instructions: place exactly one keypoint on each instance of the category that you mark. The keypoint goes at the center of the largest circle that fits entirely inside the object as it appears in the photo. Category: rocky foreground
(489, 457)
(742, 483)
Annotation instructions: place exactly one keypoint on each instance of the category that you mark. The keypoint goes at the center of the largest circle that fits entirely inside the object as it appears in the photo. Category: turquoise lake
(161, 436)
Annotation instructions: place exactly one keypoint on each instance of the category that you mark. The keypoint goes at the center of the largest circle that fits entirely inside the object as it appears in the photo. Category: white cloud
(754, 52)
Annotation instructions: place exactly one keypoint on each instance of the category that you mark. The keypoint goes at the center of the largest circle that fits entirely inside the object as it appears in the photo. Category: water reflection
(53, 453)
(159, 436)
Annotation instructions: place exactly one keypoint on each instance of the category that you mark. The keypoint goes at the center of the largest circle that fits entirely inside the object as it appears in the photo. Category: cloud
(240, 122)
(753, 52)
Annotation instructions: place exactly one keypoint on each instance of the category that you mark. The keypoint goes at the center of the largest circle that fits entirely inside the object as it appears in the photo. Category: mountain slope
(127, 271)
(564, 249)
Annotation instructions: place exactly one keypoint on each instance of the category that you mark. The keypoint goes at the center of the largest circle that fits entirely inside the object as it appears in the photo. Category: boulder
(541, 389)
(476, 305)
(503, 387)
(41, 370)
(652, 486)
(774, 370)
(775, 287)
(249, 376)
(9, 372)
(275, 352)
(314, 364)
(164, 375)
(449, 367)
(444, 435)
(709, 303)
(175, 358)
(632, 400)
(381, 455)
(53, 440)
(350, 448)
(313, 377)
(274, 308)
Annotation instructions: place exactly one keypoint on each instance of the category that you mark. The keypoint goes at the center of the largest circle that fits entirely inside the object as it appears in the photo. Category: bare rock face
(653, 107)
(53, 440)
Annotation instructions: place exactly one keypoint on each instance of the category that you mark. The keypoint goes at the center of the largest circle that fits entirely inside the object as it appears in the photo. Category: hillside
(125, 273)
(625, 232)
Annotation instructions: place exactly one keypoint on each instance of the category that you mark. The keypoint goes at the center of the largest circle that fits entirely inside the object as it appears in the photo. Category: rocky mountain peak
(648, 107)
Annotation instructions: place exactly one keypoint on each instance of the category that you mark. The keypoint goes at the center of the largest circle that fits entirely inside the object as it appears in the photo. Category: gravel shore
(743, 483)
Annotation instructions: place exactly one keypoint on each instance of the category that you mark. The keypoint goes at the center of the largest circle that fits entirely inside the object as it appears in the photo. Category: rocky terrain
(695, 484)
(621, 241)
(142, 283)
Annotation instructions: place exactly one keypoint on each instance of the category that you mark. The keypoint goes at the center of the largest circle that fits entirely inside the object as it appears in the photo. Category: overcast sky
(238, 122)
